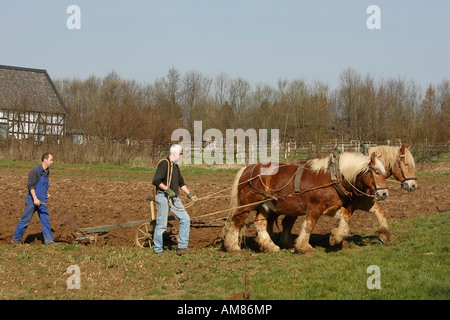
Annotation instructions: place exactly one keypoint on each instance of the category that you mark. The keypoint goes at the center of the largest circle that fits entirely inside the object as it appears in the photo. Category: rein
(271, 197)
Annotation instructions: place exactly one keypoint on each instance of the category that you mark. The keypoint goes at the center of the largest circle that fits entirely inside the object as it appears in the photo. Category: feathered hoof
(271, 249)
(384, 236)
(305, 249)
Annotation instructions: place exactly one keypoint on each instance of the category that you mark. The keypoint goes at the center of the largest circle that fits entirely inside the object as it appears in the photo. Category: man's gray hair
(175, 148)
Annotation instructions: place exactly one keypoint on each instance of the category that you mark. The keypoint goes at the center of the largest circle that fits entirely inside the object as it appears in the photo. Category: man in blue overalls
(38, 183)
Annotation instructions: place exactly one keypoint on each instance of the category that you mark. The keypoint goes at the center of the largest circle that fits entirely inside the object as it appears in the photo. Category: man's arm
(36, 201)
(162, 186)
(160, 175)
(185, 189)
(33, 179)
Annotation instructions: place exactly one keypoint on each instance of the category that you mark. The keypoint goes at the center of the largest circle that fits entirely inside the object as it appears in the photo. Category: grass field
(415, 266)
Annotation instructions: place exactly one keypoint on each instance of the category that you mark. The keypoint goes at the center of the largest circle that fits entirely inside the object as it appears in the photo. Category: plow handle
(152, 206)
(152, 209)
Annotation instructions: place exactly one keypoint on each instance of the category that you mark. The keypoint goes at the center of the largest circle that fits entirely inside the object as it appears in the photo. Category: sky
(261, 41)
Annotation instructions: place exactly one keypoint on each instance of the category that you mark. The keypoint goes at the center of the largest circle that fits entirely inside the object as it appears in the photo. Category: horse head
(372, 181)
(404, 169)
(366, 175)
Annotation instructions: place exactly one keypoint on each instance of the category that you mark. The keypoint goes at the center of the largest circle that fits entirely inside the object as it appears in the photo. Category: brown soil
(94, 202)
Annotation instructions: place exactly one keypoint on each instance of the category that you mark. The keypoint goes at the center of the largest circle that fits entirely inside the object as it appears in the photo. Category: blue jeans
(42, 211)
(163, 213)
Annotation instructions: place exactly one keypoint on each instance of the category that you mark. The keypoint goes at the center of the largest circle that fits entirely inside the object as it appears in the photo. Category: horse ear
(402, 149)
(373, 157)
(409, 148)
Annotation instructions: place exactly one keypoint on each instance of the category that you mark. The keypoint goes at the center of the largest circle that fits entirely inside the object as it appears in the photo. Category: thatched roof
(27, 89)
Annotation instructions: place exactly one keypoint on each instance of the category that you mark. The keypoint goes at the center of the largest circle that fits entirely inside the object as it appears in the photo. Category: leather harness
(336, 182)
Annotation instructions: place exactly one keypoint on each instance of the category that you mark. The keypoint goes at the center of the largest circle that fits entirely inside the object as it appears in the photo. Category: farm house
(30, 105)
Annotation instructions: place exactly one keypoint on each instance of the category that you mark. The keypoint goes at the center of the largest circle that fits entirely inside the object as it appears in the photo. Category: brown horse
(398, 162)
(319, 186)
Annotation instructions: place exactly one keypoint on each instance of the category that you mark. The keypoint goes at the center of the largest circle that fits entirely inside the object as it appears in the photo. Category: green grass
(415, 266)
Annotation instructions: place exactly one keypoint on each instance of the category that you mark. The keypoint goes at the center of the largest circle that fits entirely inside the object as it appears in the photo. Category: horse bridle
(401, 170)
(375, 188)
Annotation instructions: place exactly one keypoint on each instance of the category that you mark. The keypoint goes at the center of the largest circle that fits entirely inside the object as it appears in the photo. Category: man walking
(38, 183)
(167, 181)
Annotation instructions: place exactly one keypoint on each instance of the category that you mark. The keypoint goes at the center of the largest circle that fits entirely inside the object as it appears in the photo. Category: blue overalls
(42, 210)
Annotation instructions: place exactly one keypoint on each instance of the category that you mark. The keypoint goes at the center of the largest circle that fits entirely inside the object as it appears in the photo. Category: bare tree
(239, 91)
(196, 93)
(221, 89)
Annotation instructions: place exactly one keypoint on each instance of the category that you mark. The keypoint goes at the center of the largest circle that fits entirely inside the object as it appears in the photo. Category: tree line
(361, 107)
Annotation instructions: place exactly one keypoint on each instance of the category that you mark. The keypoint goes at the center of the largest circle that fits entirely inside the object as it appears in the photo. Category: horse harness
(336, 182)
(375, 187)
(401, 170)
(335, 177)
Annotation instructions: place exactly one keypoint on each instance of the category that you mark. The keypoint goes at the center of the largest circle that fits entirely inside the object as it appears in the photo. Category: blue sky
(261, 41)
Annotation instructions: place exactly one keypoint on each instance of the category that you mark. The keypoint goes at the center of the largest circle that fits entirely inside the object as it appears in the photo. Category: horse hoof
(384, 239)
(344, 244)
(333, 241)
(271, 249)
(307, 250)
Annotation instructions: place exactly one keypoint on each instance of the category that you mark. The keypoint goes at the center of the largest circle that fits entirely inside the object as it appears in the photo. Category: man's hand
(191, 196)
(170, 193)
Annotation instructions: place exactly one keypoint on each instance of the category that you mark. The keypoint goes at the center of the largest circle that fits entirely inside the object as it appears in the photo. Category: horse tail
(230, 233)
(234, 200)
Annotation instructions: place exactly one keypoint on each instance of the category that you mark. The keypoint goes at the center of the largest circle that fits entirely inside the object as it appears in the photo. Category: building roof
(28, 89)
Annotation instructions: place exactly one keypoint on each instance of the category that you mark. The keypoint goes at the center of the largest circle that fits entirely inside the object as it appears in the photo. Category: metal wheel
(144, 234)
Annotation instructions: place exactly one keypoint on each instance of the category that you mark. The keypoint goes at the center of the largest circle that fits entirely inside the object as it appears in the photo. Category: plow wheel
(144, 234)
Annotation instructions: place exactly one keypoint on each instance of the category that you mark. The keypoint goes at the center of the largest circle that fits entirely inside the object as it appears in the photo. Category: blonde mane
(389, 155)
(350, 165)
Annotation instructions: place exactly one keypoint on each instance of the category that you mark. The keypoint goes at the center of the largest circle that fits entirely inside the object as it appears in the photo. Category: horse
(313, 188)
(398, 162)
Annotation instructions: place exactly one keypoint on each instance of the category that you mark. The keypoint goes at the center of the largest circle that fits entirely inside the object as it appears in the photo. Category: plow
(143, 236)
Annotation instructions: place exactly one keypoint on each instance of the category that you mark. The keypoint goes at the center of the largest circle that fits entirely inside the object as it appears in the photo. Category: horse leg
(302, 242)
(339, 234)
(271, 221)
(383, 230)
(263, 238)
(286, 237)
(232, 231)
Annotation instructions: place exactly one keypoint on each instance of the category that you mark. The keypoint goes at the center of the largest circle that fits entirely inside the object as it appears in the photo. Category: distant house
(30, 105)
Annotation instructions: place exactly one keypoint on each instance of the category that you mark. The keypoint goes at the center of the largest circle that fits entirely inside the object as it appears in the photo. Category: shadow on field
(317, 241)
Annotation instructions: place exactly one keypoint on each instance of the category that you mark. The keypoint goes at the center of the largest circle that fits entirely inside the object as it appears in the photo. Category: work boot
(182, 251)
